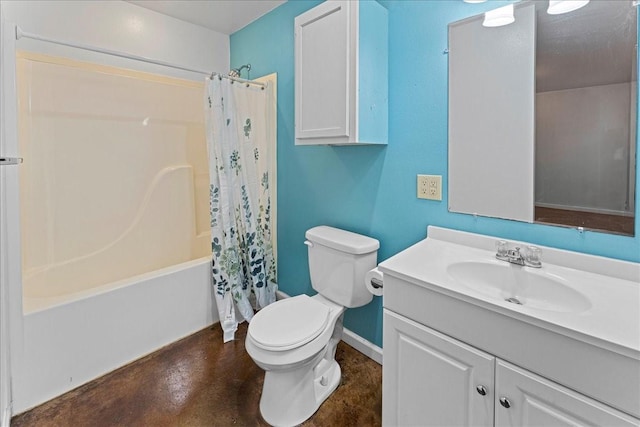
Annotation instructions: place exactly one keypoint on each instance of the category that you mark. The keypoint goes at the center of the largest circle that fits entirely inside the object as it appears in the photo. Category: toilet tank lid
(342, 240)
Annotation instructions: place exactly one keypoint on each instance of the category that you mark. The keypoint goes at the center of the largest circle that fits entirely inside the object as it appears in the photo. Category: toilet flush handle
(308, 243)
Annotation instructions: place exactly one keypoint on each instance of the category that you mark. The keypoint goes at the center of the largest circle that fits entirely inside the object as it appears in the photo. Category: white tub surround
(576, 336)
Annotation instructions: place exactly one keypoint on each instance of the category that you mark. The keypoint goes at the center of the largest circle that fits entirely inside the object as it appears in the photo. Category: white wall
(583, 148)
(114, 25)
(5, 413)
(120, 26)
(10, 270)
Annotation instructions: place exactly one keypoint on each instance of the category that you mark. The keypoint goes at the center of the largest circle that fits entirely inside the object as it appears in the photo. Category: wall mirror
(542, 116)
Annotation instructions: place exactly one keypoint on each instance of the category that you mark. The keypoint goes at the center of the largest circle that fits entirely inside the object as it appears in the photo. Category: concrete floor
(199, 381)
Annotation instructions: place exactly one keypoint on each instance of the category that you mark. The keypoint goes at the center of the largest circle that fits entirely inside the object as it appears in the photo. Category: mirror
(542, 116)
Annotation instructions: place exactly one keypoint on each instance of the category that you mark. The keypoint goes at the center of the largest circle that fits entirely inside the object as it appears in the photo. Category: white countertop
(611, 286)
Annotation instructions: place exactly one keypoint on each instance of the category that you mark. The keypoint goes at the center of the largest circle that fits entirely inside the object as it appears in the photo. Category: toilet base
(291, 397)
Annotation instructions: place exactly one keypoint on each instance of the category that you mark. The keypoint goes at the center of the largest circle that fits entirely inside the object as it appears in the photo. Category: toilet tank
(338, 262)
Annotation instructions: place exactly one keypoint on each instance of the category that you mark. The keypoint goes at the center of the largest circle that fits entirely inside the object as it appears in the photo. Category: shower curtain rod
(20, 34)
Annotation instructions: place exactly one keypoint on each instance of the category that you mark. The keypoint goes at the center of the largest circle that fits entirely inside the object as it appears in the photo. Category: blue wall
(372, 189)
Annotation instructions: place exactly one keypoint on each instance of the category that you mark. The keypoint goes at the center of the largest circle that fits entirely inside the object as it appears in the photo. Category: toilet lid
(289, 323)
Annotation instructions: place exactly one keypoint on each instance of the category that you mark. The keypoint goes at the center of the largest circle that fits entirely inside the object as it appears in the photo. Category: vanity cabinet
(431, 379)
(341, 74)
(569, 354)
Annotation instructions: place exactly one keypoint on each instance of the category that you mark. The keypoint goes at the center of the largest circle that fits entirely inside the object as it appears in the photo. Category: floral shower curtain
(240, 147)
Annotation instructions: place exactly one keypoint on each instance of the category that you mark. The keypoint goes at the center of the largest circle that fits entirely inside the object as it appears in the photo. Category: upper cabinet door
(323, 71)
(341, 74)
(525, 399)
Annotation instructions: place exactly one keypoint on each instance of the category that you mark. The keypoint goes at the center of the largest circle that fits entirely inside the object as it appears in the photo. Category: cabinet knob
(505, 402)
(481, 390)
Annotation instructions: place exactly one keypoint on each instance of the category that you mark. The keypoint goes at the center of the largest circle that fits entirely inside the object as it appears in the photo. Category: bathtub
(72, 339)
(114, 218)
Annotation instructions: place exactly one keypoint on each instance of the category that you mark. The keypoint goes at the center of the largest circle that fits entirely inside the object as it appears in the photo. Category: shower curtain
(239, 148)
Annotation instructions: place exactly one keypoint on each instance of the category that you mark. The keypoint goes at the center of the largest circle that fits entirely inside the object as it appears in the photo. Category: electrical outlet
(430, 187)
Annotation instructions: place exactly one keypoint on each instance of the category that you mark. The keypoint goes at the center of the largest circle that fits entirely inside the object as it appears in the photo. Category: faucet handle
(533, 256)
(501, 249)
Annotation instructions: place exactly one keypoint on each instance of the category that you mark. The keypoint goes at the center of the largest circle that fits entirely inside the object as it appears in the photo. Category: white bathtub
(115, 225)
(70, 340)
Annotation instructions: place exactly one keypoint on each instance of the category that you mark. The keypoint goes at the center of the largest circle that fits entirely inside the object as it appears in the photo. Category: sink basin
(519, 285)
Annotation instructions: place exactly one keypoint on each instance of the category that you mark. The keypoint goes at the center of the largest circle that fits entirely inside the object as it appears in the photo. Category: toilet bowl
(299, 364)
(294, 340)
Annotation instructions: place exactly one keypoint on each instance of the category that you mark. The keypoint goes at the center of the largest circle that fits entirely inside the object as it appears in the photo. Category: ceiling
(594, 45)
(223, 16)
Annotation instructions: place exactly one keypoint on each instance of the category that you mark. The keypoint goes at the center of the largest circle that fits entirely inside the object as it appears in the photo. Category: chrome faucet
(514, 256)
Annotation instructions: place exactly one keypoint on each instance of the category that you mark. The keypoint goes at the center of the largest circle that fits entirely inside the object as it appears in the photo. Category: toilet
(294, 340)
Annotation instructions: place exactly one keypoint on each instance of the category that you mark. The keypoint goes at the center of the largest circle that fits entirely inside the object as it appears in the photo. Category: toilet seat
(289, 323)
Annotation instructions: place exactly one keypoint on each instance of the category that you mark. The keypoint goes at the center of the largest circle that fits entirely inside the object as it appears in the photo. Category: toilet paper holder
(376, 283)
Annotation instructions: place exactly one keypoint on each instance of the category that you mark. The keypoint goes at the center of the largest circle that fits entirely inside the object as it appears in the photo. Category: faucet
(514, 256)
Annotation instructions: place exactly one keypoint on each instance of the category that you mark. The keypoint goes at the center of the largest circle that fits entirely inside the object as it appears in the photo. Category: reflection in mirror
(586, 116)
(579, 108)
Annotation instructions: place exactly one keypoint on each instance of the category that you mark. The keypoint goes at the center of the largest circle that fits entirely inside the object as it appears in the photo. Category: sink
(519, 285)
(577, 325)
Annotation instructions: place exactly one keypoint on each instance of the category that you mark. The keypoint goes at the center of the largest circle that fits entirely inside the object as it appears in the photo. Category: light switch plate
(430, 187)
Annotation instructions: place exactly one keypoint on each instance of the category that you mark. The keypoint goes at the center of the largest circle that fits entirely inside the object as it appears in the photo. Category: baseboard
(352, 339)
(365, 347)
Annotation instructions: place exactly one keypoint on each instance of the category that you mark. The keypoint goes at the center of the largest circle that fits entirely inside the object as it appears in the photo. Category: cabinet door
(535, 401)
(429, 379)
(324, 44)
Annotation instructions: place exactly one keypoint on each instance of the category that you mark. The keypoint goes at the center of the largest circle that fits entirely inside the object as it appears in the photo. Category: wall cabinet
(431, 379)
(341, 74)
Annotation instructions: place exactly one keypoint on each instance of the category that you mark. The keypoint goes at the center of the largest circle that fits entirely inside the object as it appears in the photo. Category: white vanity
(473, 340)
